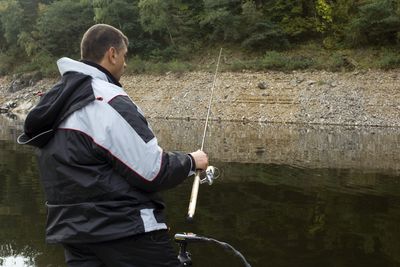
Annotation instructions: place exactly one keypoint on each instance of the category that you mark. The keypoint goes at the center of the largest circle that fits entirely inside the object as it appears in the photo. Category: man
(100, 163)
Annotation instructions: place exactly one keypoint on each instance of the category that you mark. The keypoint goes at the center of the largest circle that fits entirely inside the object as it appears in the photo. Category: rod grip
(193, 196)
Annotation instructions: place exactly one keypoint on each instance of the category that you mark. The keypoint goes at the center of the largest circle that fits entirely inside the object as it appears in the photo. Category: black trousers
(151, 249)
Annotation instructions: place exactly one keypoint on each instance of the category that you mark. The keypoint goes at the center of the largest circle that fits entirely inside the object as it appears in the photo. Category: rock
(262, 85)
(311, 82)
(17, 85)
(11, 105)
(22, 81)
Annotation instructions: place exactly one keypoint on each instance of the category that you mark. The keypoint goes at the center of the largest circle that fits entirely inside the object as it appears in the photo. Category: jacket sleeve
(136, 154)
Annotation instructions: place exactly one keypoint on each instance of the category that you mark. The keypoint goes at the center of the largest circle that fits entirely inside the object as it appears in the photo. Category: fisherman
(100, 163)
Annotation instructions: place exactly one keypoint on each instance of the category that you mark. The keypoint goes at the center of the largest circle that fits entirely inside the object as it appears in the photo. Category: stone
(262, 85)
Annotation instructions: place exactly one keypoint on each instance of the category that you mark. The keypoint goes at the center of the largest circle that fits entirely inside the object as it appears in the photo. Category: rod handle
(193, 196)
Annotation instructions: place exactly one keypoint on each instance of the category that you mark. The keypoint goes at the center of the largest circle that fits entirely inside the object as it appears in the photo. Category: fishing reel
(212, 173)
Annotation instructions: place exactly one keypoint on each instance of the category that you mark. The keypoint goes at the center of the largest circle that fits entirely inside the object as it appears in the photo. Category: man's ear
(111, 54)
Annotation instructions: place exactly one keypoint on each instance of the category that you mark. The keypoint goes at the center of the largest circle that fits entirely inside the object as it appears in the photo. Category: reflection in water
(18, 261)
(297, 145)
(280, 200)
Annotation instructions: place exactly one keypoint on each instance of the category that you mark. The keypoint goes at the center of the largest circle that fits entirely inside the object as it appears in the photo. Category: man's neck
(110, 77)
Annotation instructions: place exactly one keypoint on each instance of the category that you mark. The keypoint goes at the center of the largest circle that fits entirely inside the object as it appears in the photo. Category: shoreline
(368, 98)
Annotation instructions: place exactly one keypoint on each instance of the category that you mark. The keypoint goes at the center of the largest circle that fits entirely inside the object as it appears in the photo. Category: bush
(390, 60)
(274, 60)
(239, 65)
(299, 63)
(278, 61)
(179, 67)
(6, 64)
(164, 55)
(334, 62)
(136, 65)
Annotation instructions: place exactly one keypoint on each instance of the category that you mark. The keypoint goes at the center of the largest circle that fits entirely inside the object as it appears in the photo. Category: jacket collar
(86, 67)
(110, 77)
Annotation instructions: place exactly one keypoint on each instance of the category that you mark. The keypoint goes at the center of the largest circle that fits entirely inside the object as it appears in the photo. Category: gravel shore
(368, 98)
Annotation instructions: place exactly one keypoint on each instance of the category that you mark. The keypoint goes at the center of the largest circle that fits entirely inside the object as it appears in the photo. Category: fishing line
(183, 239)
(210, 101)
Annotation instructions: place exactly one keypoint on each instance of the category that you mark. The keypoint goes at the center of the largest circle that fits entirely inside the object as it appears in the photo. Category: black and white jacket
(99, 161)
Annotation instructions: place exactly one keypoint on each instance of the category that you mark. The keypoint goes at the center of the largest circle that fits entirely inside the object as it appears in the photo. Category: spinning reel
(212, 173)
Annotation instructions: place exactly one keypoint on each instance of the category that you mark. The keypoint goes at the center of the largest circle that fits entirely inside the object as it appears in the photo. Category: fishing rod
(210, 172)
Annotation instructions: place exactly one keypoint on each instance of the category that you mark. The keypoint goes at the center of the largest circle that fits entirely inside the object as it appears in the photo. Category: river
(288, 195)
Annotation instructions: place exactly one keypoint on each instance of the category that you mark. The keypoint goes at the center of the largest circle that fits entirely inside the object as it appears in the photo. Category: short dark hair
(98, 39)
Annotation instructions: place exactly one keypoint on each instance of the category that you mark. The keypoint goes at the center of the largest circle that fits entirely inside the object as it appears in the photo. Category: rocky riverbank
(370, 98)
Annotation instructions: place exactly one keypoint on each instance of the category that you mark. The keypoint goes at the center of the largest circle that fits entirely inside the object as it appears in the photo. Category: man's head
(106, 46)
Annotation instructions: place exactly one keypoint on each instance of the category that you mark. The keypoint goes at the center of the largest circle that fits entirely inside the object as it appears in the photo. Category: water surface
(288, 195)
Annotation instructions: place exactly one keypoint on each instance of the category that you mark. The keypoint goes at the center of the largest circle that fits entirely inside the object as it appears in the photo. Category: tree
(61, 26)
(172, 24)
(342, 12)
(124, 14)
(266, 35)
(325, 19)
(10, 14)
(222, 19)
(295, 18)
(377, 23)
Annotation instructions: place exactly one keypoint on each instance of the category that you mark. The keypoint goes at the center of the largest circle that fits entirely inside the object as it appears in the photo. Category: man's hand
(200, 159)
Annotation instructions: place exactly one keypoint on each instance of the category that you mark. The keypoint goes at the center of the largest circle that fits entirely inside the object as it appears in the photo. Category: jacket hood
(71, 93)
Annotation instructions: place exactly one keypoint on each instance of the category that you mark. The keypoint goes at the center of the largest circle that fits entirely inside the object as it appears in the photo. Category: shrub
(136, 65)
(6, 63)
(273, 60)
(179, 67)
(334, 62)
(389, 60)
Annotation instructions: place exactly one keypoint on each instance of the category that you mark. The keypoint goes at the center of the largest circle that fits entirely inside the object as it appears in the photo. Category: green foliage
(222, 19)
(167, 33)
(154, 15)
(61, 26)
(295, 18)
(6, 63)
(169, 23)
(41, 62)
(278, 61)
(324, 11)
(266, 35)
(377, 23)
(167, 54)
(10, 14)
(391, 60)
(123, 14)
(27, 43)
(333, 62)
